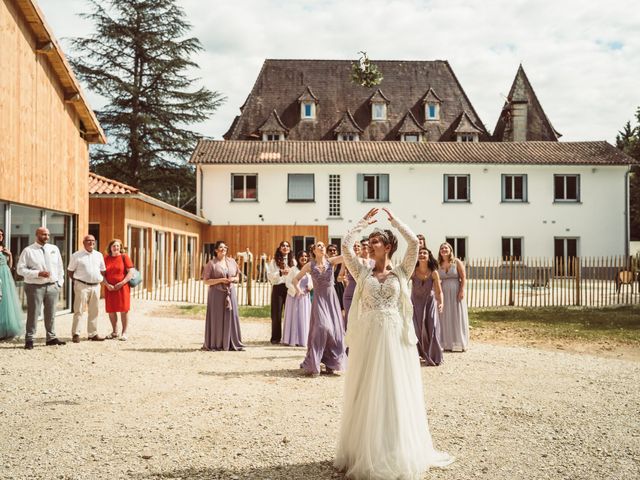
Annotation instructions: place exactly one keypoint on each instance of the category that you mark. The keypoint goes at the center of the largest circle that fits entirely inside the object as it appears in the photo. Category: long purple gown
(426, 320)
(349, 290)
(222, 324)
(347, 296)
(297, 311)
(326, 331)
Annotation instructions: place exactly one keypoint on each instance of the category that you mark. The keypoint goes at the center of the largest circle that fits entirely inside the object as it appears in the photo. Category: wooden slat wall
(109, 213)
(43, 160)
(260, 238)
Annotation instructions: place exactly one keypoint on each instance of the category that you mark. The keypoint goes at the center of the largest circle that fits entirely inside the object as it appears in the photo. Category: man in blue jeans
(41, 266)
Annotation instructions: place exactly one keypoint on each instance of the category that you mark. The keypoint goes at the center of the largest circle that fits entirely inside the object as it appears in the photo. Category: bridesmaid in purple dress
(222, 323)
(426, 297)
(297, 309)
(326, 330)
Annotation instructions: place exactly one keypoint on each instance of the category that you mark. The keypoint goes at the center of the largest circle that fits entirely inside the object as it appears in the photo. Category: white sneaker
(123, 337)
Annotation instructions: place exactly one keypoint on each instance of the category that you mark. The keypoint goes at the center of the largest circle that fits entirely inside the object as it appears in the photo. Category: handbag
(136, 278)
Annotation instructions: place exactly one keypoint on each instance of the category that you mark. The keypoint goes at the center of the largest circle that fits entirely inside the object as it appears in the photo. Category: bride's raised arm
(411, 255)
(349, 255)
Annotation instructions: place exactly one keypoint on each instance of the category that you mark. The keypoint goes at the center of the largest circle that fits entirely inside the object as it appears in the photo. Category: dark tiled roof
(409, 124)
(273, 124)
(406, 85)
(347, 124)
(105, 186)
(538, 125)
(334, 152)
(465, 125)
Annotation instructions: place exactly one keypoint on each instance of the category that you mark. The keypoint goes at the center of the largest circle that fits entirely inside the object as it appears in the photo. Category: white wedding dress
(384, 432)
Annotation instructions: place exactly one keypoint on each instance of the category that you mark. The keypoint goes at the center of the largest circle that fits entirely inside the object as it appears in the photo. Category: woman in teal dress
(11, 318)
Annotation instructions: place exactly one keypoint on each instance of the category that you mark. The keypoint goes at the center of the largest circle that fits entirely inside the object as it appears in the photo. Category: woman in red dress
(117, 295)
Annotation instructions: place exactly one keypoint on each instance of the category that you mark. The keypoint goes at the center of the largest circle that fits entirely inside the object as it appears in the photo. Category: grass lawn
(619, 324)
(200, 311)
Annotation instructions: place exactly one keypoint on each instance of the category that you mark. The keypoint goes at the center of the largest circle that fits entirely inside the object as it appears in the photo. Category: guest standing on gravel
(326, 329)
(117, 296)
(86, 269)
(454, 320)
(222, 323)
(11, 318)
(277, 272)
(40, 264)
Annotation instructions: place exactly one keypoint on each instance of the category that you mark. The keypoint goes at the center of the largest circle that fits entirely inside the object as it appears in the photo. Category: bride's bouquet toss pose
(384, 432)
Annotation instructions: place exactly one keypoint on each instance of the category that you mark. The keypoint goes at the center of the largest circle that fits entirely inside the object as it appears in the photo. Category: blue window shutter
(384, 187)
(360, 187)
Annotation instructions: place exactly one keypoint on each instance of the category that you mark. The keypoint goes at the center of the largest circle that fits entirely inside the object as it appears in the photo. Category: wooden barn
(47, 126)
(163, 240)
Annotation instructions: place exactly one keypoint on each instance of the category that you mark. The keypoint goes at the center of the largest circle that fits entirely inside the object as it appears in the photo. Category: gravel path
(157, 407)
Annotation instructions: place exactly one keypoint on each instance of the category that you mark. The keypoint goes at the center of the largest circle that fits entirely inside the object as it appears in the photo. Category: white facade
(416, 195)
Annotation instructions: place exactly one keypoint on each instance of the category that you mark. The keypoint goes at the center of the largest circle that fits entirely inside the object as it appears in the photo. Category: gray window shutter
(360, 187)
(384, 187)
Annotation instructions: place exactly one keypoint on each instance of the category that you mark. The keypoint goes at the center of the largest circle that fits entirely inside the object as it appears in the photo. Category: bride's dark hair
(279, 257)
(387, 237)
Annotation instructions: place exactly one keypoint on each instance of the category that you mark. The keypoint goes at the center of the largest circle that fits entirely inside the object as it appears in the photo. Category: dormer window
(308, 110)
(467, 137)
(348, 137)
(411, 137)
(432, 104)
(272, 137)
(378, 106)
(433, 111)
(308, 104)
(273, 130)
(378, 111)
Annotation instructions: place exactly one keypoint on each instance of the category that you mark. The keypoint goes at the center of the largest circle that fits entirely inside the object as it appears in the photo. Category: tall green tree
(628, 140)
(138, 59)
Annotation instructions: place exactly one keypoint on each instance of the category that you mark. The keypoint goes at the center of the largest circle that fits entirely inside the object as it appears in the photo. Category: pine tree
(628, 140)
(138, 60)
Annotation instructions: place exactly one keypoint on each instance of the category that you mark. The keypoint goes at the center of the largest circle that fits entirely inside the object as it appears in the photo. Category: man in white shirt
(86, 269)
(41, 266)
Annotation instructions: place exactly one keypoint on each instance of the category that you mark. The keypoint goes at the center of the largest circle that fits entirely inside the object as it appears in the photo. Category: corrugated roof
(334, 152)
(99, 185)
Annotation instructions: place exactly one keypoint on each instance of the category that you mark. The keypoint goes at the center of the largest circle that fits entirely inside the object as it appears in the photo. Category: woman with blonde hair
(117, 296)
(454, 320)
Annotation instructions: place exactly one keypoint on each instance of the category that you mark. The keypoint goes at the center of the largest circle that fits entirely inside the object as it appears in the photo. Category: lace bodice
(379, 296)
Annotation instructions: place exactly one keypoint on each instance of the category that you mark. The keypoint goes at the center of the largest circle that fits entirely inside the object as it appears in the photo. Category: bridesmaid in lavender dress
(426, 297)
(222, 323)
(297, 309)
(326, 330)
(455, 319)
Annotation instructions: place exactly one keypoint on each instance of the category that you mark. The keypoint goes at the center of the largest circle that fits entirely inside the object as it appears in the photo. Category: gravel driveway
(157, 407)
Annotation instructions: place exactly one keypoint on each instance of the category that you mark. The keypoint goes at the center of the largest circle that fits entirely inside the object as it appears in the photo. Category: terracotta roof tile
(106, 186)
(334, 152)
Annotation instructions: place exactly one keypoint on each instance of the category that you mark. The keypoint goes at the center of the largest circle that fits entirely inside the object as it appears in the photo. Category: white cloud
(583, 58)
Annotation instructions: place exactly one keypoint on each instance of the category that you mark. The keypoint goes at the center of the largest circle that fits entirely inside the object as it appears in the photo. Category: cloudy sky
(582, 56)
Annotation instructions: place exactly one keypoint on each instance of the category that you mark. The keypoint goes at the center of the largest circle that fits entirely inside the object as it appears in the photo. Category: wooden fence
(491, 282)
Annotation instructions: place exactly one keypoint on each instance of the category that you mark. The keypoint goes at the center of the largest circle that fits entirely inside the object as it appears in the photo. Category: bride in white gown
(384, 432)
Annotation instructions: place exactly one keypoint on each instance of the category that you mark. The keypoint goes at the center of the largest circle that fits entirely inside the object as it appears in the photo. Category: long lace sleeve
(411, 256)
(350, 259)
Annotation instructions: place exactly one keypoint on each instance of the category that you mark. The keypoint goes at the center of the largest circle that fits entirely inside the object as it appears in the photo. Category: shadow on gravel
(284, 373)
(278, 357)
(304, 471)
(163, 350)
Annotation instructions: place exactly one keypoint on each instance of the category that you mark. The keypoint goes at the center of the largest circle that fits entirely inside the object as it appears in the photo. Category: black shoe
(28, 345)
(55, 341)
